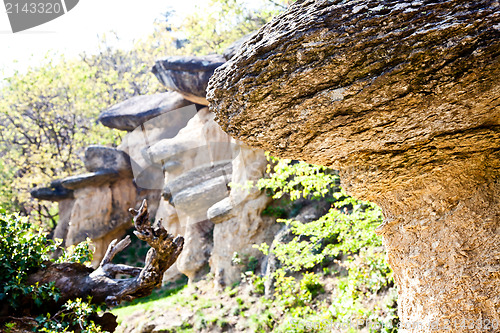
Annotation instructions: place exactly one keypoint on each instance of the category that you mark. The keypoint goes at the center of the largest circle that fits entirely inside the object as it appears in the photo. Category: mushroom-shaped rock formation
(135, 111)
(188, 75)
(108, 189)
(404, 99)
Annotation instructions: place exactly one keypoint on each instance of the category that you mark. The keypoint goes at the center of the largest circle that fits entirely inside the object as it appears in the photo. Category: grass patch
(159, 298)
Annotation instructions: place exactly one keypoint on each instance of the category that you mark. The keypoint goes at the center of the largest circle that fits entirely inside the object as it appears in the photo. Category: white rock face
(65, 208)
(240, 223)
(197, 164)
(100, 213)
(137, 144)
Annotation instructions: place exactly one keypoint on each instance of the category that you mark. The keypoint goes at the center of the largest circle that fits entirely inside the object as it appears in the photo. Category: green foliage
(215, 24)
(297, 179)
(45, 114)
(24, 249)
(293, 294)
(74, 314)
(81, 253)
(49, 113)
(347, 231)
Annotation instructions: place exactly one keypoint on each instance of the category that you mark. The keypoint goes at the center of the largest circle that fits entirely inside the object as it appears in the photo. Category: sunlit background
(80, 29)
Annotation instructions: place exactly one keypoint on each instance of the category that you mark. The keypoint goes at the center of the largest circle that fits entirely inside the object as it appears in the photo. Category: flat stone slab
(100, 157)
(221, 211)
(135, 111)
(54, 192)
(97, 178)
(188, 75)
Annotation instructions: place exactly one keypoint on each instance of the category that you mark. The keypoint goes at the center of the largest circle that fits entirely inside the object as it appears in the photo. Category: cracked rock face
(403, 99)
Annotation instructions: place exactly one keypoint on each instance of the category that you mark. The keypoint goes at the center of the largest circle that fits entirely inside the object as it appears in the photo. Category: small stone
(100, 157)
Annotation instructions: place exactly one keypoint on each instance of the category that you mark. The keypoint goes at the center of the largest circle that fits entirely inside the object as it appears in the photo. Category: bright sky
(77, 30)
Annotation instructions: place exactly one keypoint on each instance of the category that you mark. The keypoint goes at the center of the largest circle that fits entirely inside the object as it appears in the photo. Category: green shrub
(24, 249)
(347, 229)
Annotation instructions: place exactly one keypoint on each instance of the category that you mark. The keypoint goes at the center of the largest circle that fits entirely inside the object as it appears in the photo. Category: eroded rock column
(442, 233)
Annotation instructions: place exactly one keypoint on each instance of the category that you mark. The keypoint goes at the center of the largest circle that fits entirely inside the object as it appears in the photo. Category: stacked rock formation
(94, 205)
(177, 157)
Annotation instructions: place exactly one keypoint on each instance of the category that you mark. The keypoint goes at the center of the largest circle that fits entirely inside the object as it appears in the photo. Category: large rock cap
(346, 83)
(188, 75)
(135, 111)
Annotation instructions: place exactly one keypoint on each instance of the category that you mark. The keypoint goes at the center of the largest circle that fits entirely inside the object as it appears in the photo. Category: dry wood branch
(78, 281)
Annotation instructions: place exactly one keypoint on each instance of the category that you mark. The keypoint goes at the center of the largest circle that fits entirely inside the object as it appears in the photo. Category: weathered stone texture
(107, 218)
(239, 220)
(329, 79)
(188, 75)
(106, 158)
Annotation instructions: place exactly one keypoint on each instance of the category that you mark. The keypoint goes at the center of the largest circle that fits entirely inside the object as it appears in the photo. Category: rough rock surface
(147, 174)
(233, 48)
(197, 164)
(132, 113)
(402, 98)
(61, 230)
(108, 219)
(100, 157)
(188, 75)
(196, 190)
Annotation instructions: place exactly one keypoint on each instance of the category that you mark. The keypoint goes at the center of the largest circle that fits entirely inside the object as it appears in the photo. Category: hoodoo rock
(402, 98)
(188, 75)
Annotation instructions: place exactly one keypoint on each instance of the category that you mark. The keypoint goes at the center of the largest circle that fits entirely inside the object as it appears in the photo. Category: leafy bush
(24, 249)
(346, 231)
(75, 313)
